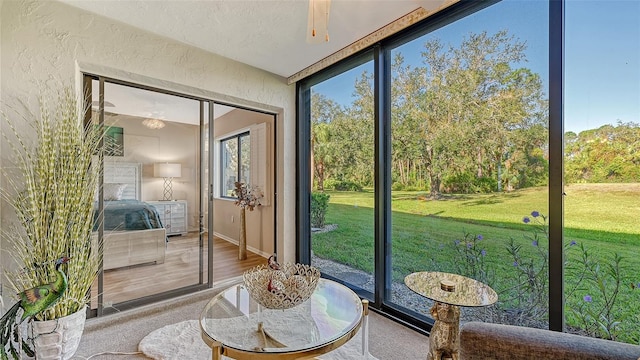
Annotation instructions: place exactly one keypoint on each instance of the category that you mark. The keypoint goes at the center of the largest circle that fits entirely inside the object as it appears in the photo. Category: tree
(468, 119)
(478, 108)
(323, 112)
(606, 154)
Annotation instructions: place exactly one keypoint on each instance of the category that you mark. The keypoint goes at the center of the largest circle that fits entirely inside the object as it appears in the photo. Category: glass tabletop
(451, 289)
(235, 320)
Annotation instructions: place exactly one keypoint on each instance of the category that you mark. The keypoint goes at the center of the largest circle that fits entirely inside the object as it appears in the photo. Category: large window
(342, 180)
(468, 173)
(236, 162)
(602, 168)
(469, 139)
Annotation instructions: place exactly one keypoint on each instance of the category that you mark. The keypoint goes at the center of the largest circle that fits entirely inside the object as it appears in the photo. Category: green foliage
(470, 258)
(528, 289)
(607, 154)
(52, 194)
(529, 281)
(319, 206)
(341, 140)
(467, 120)
(331, 184)
(597, 313)
(466, 183)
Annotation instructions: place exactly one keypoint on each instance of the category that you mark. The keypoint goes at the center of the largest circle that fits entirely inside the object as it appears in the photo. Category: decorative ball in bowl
(282, 288)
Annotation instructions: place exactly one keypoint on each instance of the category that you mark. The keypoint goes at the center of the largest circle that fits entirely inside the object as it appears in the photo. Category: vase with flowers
(247, 198)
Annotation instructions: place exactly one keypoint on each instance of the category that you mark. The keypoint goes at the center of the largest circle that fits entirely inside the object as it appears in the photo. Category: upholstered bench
(481, 341)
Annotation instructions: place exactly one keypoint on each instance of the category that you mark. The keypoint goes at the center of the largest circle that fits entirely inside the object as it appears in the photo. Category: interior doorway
(167, 224)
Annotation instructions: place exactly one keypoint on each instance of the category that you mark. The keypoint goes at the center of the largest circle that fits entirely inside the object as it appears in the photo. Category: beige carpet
(121, 333)
(182, 341)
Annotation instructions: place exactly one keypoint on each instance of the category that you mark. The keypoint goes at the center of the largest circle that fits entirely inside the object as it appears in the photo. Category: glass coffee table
(449, 292)
(235, 325)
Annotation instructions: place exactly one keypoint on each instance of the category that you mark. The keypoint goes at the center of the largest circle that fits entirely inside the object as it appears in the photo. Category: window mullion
(556, 167)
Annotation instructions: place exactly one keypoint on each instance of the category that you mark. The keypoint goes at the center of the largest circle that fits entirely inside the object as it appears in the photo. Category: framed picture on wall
(114, 141)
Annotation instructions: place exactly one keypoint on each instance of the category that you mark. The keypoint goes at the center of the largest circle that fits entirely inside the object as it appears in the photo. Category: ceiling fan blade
(318, 21)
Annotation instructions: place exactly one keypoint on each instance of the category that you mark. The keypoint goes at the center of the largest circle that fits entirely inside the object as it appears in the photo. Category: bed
(133, 231)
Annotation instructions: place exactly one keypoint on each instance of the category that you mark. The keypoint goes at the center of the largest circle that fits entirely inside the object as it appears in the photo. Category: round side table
(233, 324)
(449, 292)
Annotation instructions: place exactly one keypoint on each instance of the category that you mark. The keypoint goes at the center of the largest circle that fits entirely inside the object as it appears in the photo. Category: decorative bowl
(284, 288)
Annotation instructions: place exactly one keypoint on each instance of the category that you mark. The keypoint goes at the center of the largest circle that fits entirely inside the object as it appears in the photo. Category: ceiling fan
(318, 18)
(318, 21)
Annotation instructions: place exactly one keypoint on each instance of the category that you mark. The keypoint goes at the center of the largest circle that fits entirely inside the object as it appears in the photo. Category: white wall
(46, 43)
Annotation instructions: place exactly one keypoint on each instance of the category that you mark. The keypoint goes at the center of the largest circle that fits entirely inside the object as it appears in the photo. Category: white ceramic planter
(57, 339)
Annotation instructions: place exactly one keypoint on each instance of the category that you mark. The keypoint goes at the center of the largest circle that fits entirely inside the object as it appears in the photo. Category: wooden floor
(181, 268)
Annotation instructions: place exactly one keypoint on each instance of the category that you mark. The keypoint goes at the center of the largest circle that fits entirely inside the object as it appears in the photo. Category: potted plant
(51, 189)
(247, 198)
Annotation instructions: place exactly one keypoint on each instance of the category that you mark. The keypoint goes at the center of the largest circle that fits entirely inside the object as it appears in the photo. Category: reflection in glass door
(166, 209)
(242, 148)
(149, 203)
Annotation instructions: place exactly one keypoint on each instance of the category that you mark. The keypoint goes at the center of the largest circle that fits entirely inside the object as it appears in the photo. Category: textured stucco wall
(47, 43)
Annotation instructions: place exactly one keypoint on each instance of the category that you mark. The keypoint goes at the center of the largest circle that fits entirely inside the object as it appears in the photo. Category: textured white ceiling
(267, 34)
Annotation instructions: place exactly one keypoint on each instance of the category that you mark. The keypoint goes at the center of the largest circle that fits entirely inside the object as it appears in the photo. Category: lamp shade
(167, 170)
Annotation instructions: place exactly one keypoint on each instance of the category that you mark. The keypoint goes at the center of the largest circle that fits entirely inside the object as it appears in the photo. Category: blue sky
(602, 55)
(602, 63)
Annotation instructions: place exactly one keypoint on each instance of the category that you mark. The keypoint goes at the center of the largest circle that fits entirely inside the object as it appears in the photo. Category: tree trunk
(313, 166)
(434, 186)
(242, 243)
(320, 169)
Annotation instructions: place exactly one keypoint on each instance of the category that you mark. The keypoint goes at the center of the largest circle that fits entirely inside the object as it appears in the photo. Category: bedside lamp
(168, 171)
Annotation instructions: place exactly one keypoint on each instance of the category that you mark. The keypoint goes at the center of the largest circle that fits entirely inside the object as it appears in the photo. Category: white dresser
(173, 215)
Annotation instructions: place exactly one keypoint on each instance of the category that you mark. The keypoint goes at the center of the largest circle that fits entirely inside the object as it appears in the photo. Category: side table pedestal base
(444, 340)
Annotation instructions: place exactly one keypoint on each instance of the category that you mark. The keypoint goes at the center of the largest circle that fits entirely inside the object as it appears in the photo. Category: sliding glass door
(242, 147)
(166, 210)
(342, 176)
(148, 208)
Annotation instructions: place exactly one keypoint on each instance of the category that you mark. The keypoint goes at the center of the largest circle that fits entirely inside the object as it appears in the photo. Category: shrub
(471, 255)
(597, 313)
(319, 205)
(342, 185)
(467, 183)
(594, 281)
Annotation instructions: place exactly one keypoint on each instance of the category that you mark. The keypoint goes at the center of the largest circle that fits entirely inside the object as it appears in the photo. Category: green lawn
(602, 217)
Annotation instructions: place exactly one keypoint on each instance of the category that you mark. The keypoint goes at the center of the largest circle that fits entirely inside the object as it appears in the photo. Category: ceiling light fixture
(318, 20)
(153, 123)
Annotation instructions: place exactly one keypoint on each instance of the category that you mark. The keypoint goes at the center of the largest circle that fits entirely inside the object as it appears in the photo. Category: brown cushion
(480, 341)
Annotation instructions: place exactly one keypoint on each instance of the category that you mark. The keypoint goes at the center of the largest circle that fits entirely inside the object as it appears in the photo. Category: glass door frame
(129, 304)
(382, 109)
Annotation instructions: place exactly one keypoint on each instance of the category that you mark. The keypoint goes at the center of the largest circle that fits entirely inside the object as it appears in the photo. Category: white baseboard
(249, 248)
